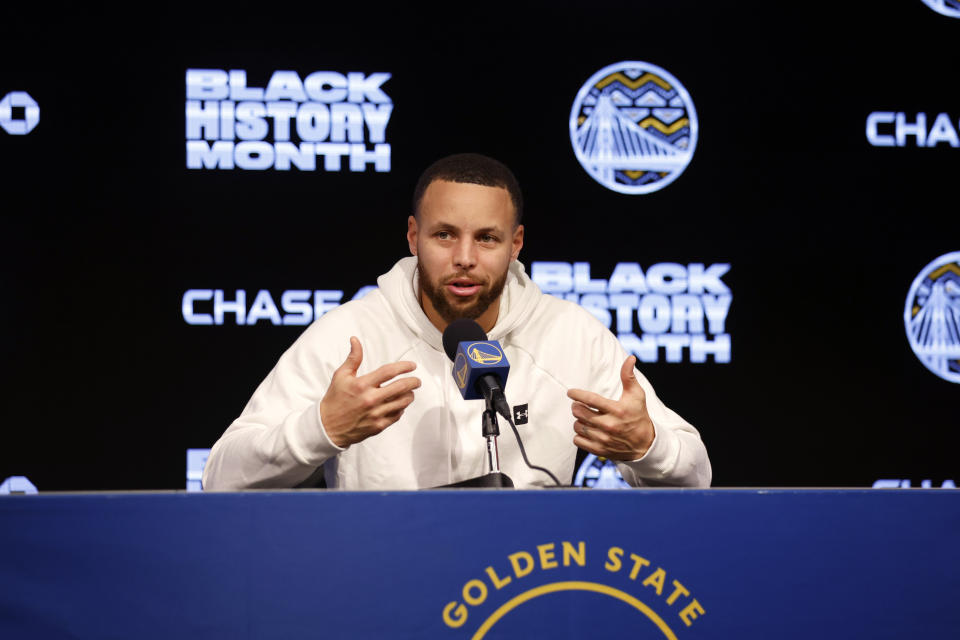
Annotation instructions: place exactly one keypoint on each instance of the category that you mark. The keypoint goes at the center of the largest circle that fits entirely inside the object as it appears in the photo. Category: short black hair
(471, 168)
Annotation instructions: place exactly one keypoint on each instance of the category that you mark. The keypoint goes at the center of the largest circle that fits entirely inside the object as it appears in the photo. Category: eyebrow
(445, 226)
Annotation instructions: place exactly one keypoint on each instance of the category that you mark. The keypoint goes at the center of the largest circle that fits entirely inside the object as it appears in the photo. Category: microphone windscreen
(461, 330)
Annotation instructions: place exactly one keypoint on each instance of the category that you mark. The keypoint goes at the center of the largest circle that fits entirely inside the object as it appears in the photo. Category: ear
(517, 241)
(412, 234)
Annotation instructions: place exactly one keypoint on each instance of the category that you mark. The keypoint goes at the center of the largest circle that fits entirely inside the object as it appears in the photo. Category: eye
(488, 238)
(442, 235)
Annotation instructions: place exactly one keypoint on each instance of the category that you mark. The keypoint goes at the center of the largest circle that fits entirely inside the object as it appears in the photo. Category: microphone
(480, 367)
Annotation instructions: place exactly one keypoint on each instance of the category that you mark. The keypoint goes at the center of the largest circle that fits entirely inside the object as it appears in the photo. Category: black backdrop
(105, 228)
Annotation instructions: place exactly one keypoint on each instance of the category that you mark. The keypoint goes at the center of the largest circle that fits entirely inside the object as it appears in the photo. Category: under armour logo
(520, 414)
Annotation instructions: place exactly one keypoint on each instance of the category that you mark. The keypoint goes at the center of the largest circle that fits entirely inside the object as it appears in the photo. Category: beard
(471, 308)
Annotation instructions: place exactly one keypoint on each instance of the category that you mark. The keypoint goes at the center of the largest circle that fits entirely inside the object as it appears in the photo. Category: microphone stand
(490, 431)
(494, 478)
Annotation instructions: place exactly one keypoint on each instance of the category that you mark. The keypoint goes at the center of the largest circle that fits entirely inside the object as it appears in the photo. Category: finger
(395, 389)
(600, 450)
(395, 407)
(583, 412)
(354, 358)
(599, 443)
(627, 376)
(390, 418)
(592, 400)
(578, 409)
(588, 445)
(391, 370)
(581, 428)
(591, 432)
(591, 418)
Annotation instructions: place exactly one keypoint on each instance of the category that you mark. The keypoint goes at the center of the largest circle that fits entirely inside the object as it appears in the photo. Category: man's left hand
(619, 430)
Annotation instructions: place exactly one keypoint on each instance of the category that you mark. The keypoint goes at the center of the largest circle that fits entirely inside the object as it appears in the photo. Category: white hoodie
(552, 345)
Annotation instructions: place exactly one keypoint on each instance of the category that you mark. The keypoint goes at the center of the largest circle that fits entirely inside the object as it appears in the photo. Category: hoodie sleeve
(677, 457)
(279, 440)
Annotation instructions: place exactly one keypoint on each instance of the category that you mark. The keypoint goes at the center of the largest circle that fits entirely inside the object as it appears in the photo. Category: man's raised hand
(619, 430)
(357, 407)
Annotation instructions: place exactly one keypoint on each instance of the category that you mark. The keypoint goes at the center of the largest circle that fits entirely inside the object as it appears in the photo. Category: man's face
(464, 241)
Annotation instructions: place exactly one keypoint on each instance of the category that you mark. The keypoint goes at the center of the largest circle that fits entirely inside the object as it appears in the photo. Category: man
(366, 393)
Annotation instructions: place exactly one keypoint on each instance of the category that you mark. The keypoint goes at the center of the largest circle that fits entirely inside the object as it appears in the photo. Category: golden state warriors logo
(484, 353)
(525, 590)
(460, 370)
(932, 316)
(945, 7)
(633, 127)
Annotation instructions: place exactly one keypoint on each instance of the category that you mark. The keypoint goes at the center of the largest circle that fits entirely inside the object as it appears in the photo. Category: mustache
(464, 276)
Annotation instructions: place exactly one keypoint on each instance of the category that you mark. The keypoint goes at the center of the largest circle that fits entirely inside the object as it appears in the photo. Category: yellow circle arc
(572, 585)
(482, 357)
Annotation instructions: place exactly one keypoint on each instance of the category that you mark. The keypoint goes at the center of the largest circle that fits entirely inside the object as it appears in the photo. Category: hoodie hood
(401, 284)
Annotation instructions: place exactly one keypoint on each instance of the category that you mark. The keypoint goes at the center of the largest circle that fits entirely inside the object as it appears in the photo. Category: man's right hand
(357, 407)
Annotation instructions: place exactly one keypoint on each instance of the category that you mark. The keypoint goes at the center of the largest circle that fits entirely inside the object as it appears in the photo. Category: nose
(465, 254)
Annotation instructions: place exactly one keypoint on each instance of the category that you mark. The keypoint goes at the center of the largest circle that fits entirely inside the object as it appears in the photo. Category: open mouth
(463, 287)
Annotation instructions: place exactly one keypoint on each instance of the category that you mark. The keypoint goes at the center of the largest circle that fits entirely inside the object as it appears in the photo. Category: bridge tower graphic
(608, 141)
(935, 327)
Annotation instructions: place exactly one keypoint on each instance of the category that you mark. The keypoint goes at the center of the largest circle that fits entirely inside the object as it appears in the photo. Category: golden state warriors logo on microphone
(460, 370)
(475, 360)
(484, 353)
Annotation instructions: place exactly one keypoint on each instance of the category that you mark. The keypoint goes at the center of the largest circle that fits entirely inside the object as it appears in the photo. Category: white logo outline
(608, 140)
(942, 7)
(933, 331)
(31, 113)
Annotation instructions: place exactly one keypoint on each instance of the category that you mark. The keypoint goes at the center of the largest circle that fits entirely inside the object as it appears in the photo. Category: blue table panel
(471, 564)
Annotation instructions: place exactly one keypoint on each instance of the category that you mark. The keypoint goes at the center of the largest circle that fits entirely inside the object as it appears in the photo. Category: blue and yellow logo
(633, 127)
(460, 370)
(484, 353)
(655, 599)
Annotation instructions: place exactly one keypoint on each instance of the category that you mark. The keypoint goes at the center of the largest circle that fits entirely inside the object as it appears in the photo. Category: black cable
(524, 453)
